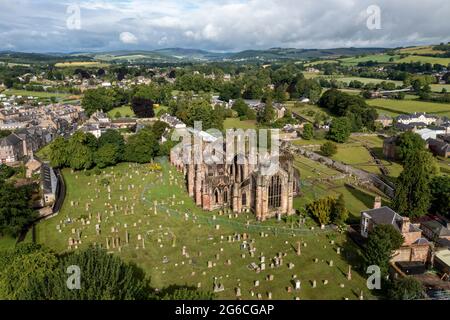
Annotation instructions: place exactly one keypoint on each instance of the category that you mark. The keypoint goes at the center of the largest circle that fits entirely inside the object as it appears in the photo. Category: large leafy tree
(143, 107)
(141, 147)
(15, 210)
(409, 142)
(107, 155)
(440, 195)
(340, 130)
(413, 193)
(308, 131)
(382, 242)
(25, 267)
(98, 99)
(267, 115)
(112, 137)
(353, 107)
(80, 151)
(58, 153)
(407, 288)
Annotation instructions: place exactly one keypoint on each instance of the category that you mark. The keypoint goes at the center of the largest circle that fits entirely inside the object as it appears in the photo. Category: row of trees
(83, 151)
(31, 272)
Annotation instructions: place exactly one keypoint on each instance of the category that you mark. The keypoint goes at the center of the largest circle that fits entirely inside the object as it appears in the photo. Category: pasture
(396, 107)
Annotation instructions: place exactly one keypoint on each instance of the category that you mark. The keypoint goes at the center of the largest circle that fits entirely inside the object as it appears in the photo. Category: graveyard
(144, 214)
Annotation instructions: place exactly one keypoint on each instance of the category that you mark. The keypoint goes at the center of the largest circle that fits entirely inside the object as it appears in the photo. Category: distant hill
(179, 55)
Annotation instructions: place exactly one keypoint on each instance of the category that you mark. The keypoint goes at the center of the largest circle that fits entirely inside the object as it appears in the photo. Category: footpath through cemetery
(144, 214)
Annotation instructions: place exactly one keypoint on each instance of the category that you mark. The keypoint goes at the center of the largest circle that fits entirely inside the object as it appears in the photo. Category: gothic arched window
(244, 199)
(275, 192)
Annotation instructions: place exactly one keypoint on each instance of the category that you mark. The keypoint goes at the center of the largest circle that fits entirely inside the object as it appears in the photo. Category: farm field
(85, 64)
(420, 50)
(382, 58)
(38, 94)
(395, 107)
(178, 223)
(424, 59)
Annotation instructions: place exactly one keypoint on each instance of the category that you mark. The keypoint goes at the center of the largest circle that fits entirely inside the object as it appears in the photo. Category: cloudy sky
(219, 25)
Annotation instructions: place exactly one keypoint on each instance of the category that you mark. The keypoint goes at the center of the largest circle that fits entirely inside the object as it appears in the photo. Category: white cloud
(128, 38)
(221, 24)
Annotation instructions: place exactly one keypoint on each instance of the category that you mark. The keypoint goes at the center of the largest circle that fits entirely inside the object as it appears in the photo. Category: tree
(98, 99)
(340, 130)
(80, 151)
(328, 149)
(321, 209)
(58, 153)
(339, 213)
(407, 288)
(413, 194)
(112, 137)
(308, 131)
(353, 107)
(158, 129)
(141, 147)
(267, 115)
(24, 269)
(142, 107)
(440, 195)
(409, 142)
(15, 210)
(381, 243)
(107, 155)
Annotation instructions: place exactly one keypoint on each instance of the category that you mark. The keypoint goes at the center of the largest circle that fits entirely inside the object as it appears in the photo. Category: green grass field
(381, 58)
(425, 59)
(395, 107)
(235, 123)
(78, 64)
(123, 110)
(177, 222)
(420, 50)
(38, 94)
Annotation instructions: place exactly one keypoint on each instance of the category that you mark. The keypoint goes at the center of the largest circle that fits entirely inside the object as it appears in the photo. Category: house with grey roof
(49, 184)
(414, 248)
(12, 149)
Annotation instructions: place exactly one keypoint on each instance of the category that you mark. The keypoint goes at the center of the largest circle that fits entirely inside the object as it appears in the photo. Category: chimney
(377, 203)
(405, 225)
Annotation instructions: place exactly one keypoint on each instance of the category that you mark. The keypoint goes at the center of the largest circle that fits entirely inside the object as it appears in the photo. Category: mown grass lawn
(395, 107)
(178, 223)
(124, 111)
(236, 123)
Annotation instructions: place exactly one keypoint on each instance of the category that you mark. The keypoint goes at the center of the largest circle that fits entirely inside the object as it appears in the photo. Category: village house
(415, 247)
(435, 230)
(172, 121)
(417, 118)
(439, 147)
(384, 120)
(12, 149)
